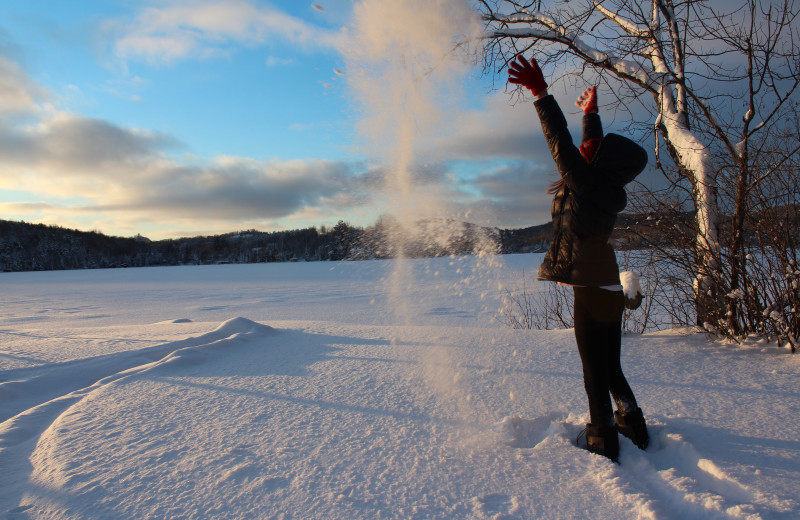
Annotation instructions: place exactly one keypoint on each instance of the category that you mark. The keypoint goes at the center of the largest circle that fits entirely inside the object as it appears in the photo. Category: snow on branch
(554, 31)
(627, 26)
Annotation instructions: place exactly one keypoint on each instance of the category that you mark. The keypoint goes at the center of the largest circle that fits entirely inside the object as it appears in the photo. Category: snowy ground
(300, 391)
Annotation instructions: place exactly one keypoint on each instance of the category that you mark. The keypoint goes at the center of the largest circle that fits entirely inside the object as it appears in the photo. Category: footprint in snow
(495, 506)
(684, 457)
(678, 481)
(519, 432)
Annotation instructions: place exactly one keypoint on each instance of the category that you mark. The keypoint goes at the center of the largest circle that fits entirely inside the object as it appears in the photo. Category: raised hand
(528, 74)
(588, 101)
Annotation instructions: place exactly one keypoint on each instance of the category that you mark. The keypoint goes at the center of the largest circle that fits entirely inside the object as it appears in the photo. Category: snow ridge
(69, 380)
(28, 391)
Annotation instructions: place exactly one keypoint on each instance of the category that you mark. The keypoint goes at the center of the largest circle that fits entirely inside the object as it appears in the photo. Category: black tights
(598, 333)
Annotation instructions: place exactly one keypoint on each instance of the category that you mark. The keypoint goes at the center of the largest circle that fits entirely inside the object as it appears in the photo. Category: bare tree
(711, 82)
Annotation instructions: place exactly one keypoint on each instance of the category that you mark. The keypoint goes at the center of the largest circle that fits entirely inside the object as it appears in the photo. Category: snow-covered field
(348, 391)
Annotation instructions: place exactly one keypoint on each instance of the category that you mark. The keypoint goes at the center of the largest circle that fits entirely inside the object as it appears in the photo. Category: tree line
(38, 247)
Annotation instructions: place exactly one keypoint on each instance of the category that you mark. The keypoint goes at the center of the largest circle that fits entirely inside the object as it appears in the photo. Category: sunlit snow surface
(298, 391)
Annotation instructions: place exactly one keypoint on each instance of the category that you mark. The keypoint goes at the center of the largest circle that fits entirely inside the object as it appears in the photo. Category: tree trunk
(692, 157)
(738, 257)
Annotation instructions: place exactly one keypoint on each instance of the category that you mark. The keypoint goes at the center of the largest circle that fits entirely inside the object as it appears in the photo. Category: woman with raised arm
(587, 198)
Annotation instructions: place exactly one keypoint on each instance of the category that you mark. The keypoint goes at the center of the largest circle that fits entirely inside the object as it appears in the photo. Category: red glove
(588, 100)
(527, 74)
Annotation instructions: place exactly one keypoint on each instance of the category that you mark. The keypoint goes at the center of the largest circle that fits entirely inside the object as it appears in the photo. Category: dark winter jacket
(585, 208)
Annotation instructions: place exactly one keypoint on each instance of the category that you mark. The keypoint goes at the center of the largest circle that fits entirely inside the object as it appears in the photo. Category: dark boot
(603, 440)
(632, 426)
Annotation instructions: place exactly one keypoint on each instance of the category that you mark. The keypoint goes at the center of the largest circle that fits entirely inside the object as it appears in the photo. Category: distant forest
(37, 247)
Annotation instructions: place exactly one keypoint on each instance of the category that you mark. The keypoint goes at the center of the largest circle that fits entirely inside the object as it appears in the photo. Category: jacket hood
(620, 159)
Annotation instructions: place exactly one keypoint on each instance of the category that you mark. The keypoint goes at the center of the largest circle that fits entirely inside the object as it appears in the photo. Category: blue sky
(180, 118)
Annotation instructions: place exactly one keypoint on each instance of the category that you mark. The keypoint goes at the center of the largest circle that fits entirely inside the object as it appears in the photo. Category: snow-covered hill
(358, 390)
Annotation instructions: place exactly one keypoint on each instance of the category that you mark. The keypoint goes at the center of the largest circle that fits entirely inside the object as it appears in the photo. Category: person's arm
(592, 126)
(529, 75)
(569, 161)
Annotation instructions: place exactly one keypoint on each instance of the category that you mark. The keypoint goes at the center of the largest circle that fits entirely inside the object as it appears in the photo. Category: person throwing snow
(587, 198)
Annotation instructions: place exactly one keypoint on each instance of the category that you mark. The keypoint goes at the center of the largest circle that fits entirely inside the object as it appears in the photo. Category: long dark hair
(555, 186)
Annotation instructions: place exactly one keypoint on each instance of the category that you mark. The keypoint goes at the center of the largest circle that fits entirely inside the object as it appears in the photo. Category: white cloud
(18, 93)
(182, 30)
(127, 171)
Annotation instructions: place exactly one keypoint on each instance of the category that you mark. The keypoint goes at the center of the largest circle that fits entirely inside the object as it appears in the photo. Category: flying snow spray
(405, 70)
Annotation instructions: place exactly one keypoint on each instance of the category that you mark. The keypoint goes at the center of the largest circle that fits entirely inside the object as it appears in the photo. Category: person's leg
(629, 418)
(613, 303)
(590, 336)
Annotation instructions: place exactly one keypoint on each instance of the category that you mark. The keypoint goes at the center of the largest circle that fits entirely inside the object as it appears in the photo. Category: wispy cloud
(181, 30)
(78, 144)
(130, 173)
(18, 92)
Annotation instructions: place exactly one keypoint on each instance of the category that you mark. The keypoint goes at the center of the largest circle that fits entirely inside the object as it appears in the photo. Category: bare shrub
(547, 306)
